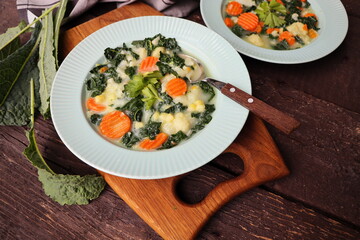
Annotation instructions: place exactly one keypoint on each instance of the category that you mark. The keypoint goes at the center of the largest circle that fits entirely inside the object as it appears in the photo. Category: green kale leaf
(174, 140)
(9, 41)
(58, 20)
(12, 66)
(46, 64)
(129, 139)
(150, 130)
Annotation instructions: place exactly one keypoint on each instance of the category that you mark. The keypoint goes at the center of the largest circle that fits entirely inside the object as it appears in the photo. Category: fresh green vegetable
(95, 119)
(59, 17)
(129, 139)
(46, 64)
(206, 88)
(172, 60)
(150, 130)
(150, 96)
(6, 47)
(64, 189)
(178, 107)
(130, 71)
(204, 118)
(174, 140)
(270, 13)
(20, 93)
(135, 85)
(147, 43)
(12, 66)
(133, 108)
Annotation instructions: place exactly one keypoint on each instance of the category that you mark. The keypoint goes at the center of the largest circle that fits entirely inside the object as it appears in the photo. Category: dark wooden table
(320, 199)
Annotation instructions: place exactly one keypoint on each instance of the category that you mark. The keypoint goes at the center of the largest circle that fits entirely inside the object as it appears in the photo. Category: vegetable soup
(140, 97)
(272, 24)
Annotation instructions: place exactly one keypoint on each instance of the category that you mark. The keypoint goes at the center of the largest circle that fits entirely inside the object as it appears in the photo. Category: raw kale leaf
(129, 139)
(12, 66)
(71, 189)
(174, 140)
(58, 20)
(46, 64)
(16, 109)
(150, 130)
(9, 41)
(64, 189)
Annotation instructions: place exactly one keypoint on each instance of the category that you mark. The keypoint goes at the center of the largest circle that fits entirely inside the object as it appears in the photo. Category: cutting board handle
(258, 167)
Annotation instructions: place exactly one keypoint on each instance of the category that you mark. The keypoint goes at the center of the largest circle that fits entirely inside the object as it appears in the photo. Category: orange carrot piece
(148, 64)
(310, 15)
(305, 27)
(103, 69)
(288, 37)
(153, 144)
(258, 28)
(234, 8)
(115, 124)
(279, 1)
(312, 33)
(270, 30)
(248, 21)
(229, 22)
(92, 105)
(176, 87)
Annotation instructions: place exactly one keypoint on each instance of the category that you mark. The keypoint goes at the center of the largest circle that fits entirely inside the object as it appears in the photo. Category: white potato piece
(156, 52)
(256, 40)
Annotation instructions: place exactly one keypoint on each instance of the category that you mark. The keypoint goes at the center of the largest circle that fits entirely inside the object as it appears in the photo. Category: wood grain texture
(154, 200)
(273, 116)
(319, 200)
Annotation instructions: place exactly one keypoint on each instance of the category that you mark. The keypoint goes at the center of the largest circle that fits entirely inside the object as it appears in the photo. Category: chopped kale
(96, 84)
(283, 45)
(111, 73)
(130, 71)
(174, 60)
(204, 118)
(174, 140)
(95, 119)
(239, 31)
(133, 108)
(178, 107)
(169, 43)
(96, 69)
(165, 69)
(311, 22)
(299, 40)
(208, 89)
(150, 130)
(129, 139)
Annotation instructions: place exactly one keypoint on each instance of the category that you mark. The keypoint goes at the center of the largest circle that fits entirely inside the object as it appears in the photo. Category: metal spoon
(276, 118)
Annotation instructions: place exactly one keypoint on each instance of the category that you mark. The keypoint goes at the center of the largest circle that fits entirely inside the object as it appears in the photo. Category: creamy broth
(140, 97)
(275, 24)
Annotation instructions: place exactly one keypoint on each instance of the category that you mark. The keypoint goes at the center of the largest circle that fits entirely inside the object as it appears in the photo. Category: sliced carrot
(148, 64)
(153, 144)
(115, 124)
(310, 15)
(176, 87)
(288, 36)
(303, 0)
(103, 69)
(234, 8)
(248, 21)
(258, 28)
(270, 30)
(279, 1)
(229, 22)
(305, 27)
(92, 105)
(312, 33)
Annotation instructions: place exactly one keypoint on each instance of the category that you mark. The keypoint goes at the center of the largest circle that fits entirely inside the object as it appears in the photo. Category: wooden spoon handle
(278, 119)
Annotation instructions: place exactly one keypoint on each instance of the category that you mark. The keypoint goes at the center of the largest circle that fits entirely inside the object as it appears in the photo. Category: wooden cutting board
(155, 201)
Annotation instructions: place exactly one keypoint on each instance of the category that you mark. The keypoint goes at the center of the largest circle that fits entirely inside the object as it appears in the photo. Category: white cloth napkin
(29, 9)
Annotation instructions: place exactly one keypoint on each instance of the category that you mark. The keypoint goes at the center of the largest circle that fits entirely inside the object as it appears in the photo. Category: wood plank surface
(319, 200)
